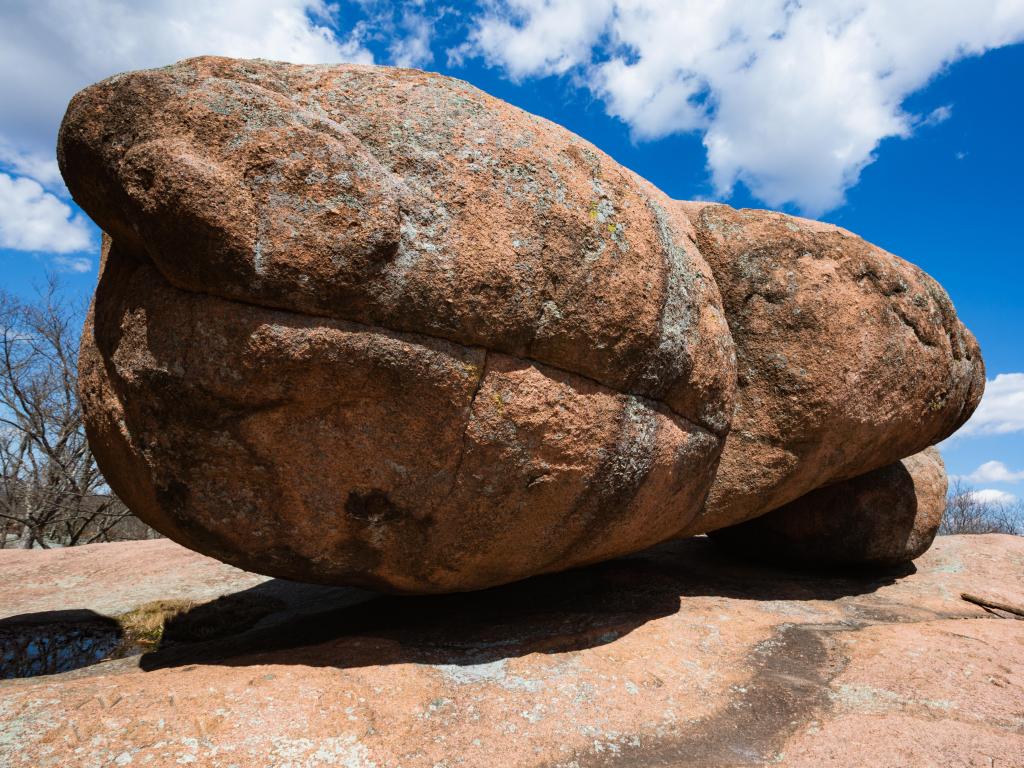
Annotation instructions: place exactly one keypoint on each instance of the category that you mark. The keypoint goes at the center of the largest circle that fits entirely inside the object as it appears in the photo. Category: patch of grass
(183, 621)
(145, 625)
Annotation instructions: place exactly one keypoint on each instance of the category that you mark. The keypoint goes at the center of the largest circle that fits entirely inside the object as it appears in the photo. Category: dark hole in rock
(371, 507)
(55, 641)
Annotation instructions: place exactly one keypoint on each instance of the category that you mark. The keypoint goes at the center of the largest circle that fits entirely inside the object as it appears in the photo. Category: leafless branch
(968, 512)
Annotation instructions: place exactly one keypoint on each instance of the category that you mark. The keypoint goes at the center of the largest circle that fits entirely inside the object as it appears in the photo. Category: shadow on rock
(340, 627)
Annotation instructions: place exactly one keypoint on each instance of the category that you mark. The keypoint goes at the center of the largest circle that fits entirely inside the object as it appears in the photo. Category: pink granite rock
(676, 656)
(372, 326)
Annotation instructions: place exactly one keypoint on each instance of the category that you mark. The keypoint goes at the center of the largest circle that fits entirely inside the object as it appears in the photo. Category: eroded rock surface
(373, 326)
(328, 451)
(679, 656)
(849, 358)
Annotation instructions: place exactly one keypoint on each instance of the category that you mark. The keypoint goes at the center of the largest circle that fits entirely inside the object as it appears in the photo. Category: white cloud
(412, 47)
(994, 472)
(73, 263)
(792, 99)
(937, 116)
(1002, 408)
(993, 496)
(48, 51)
(541, 37)
(36, 165)
(32, 219)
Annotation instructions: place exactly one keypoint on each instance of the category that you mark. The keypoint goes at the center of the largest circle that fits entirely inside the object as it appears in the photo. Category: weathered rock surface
(322, 450)
(849, 358)
(405, 201)
(677, 656)
(885, 517)
(373, 326)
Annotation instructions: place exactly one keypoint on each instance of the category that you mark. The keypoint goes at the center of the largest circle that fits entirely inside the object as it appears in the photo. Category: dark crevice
(912, 326)
(465, 430)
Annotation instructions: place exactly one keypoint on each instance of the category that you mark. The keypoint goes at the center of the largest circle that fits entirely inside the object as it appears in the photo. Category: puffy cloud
(792, 99)
(994, 472)
(411, 48)
(1002, 407)
(48, 51)
(32, 219)
(993, 496)
(540, 37)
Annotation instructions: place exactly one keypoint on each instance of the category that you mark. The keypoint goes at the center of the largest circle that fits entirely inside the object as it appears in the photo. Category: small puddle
(57, 641)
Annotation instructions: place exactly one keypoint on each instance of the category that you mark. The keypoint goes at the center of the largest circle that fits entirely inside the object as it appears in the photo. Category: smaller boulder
(885, 517)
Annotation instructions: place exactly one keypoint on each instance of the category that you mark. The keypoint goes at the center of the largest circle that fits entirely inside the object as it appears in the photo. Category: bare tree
(967, 512)
(51, 491)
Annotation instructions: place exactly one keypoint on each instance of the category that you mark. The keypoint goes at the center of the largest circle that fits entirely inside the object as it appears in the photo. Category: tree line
(52, 493)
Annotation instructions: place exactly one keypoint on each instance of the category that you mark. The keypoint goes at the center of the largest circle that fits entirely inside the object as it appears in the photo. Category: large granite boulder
(373, 326)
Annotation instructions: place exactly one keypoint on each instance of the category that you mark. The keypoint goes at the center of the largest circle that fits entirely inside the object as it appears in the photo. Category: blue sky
(899, 121)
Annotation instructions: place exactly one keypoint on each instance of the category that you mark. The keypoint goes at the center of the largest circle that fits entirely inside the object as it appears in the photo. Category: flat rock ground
(678, 656)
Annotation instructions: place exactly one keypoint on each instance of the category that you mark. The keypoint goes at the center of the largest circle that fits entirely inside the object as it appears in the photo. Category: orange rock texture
(372, 326)
(677, 656)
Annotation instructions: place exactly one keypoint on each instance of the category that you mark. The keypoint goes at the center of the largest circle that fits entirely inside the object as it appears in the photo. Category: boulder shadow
(583, 608)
